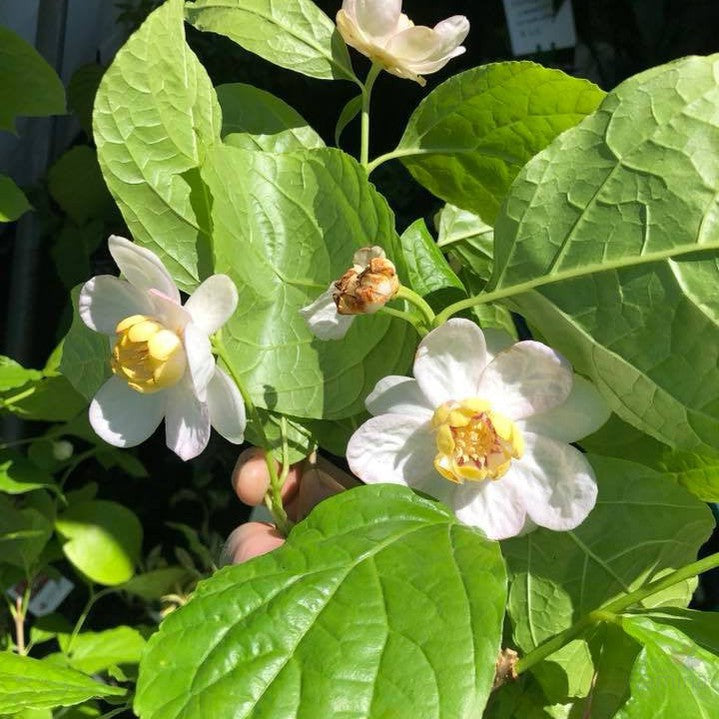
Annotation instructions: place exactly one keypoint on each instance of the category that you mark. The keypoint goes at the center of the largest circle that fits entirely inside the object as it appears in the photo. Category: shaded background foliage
(617, 38)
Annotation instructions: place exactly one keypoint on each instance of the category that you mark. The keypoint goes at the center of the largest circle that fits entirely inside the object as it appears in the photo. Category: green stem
(609, 611)
(374, 71)
(88, 606)
(407, 317)
(273, 498)
(405, 293)
(18, 397)
(394, 154)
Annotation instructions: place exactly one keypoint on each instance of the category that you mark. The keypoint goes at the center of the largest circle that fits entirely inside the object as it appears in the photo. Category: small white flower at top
(380, 31)
(162, 361)
(485, 427)
(365, 288)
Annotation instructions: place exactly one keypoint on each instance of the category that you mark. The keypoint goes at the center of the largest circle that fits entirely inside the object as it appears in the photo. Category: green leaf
(103, 540)
(50, 399)
(468, 238)
(31, 683)
(13, 202)
(156, 583)
(294, 34)
(349, 112)
(81, 92)
(521, 698)
(427, 269)
(672, 674)
(641, 527)
(379, 600)
(155, 115)
(85, 354)
(700, 627)
(608, 244)
(322, 210)
(18, 475)
(93, 652)
(697, 473)
(300, 439)
(14, 375)
(30, 87)
(24, 534)
(75, 183)
(253, 119)
(470, 136)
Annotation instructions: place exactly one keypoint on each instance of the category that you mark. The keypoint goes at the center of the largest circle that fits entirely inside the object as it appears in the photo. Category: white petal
(449, 362)
(397, 449)
(526, 379)
(451, 33)
(583, 413)
(142, 268)
(226, 408)
(172, 314)
(377, 17)
(187, 422)
(212, 303)
(105, 301)
(123, 417)
(415, 44)
(364, 255)
(323, 319)
(556, 481)
(200, 360)
(496, 507)
(398, 395)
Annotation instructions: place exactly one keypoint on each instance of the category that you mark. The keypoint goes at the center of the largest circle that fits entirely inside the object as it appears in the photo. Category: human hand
(307, 484)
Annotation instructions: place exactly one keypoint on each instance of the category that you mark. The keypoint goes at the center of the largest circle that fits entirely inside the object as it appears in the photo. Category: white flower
(162, 361)
(365, 288)
(485, 427)
(379, 30)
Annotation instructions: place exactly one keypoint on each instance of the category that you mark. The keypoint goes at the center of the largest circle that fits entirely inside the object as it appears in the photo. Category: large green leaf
(155, 114)
(470, 136)
(19, 475)
(103, 540)
(30, 87)
(24, 532)
(701, 627)
(380, 604)
(13, 202)
(31, 683)
(608, 243)
(93, 652)
(294, 34)
(672, 677)
(253, 119)
(642, 526)
(284, 227)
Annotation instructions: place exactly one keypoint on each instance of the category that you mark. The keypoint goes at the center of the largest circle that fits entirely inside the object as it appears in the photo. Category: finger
(250, 477)
(320, 480)
(251, 540)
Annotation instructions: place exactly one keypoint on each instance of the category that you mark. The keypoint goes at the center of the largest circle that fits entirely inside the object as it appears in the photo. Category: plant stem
(374, 71)
(19, 617)
(273, 499)
(407, 317)
(18, 397)
(94, 597)
(608, 612)
(405, 293)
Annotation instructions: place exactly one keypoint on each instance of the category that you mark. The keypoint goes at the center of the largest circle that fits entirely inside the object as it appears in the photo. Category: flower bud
(368, 285)
(62, 450)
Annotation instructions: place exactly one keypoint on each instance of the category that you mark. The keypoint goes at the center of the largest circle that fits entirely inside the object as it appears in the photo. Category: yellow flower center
(474, 442)
(148, 356)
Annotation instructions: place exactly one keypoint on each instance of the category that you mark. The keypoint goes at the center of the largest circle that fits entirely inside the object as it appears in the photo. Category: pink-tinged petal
(450, 361)
(142, 268)
(226, 408)
(187, 422)
(106, 300)
(496, 507)
(171, 314)
(323, 320)
(200, 360)
(398, 395)
(212, 303)
(526, 379)
(123, 417)
(377, 18)
(583, 413)
(397, 449)
(556, 481)
(451, 33)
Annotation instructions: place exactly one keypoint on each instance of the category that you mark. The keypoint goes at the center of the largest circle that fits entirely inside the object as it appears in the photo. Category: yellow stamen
(147, 355)
(474, 442)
